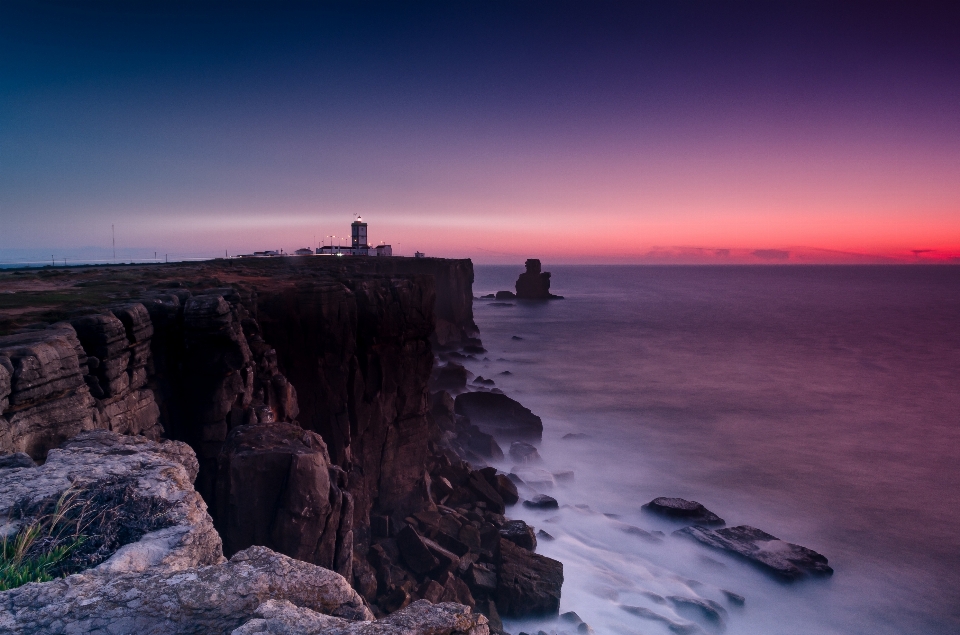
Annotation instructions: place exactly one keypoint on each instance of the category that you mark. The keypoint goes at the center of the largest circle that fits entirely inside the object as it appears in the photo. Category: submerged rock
(680, 509)
(734, 598)
(534, 477)
(706, 611)
(786, 560)
(523, 452)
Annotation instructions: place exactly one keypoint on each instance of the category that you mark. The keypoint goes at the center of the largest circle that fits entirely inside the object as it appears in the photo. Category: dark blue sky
(204, 126)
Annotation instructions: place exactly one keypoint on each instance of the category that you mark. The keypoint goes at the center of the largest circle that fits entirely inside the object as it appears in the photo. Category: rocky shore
(302, 417)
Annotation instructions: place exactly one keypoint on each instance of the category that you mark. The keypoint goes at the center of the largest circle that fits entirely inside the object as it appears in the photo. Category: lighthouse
(358, 243)
(358, 235)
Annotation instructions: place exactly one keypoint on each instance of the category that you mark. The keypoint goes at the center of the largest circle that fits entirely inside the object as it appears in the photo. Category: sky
(576, 132)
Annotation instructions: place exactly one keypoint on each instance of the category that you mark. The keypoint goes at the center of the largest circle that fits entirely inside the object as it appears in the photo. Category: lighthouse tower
(358, 234)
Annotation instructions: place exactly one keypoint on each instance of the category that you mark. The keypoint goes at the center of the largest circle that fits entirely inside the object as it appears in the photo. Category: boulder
(680, 509)
(274, 488)
(542, 501)
(486, 493)
(451, 376)
(209, 599)
(481, 443)
(507, 490)
(783, 559)
(520, 534)
(281, 617)
(523, 452)
(528, 584)
(499, 415)
(414, 551)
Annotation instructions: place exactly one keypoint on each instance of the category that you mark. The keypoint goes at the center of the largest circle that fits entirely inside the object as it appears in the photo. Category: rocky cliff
(302, 386)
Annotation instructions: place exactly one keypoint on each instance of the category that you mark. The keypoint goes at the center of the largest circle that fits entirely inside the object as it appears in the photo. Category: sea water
(819, 404)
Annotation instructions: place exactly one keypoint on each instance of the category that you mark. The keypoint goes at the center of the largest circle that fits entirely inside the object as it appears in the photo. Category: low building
(263, 254)
(384, 250)
(303, 252)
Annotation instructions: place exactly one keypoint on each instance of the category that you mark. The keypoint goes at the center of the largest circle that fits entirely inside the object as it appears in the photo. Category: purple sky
(576, 132)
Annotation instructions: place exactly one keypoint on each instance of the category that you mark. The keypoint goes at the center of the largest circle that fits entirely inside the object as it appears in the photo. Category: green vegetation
(35, 551)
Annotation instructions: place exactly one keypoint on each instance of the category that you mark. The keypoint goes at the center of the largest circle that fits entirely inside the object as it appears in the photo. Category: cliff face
(342, 348)
(302, 386)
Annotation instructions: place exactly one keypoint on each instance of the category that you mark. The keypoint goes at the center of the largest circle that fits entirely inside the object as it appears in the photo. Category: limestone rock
(43, 397)
(209, 599)
(15, 460)
(680, 509)
(785, 560)
(420, 618)
(161, 470)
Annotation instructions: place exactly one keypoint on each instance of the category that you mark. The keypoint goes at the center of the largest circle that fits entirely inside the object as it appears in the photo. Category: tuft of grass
(77, 531)
(35, 551)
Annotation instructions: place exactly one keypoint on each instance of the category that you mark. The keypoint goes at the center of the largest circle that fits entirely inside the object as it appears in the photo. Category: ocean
(819, 404)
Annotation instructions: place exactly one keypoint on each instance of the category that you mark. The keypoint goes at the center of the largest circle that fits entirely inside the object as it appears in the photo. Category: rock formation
(499, 415)
(534, 284)
(303, 390)
(420, 618)
(43, 397)
(785, 560)
(161, 471)
(207, 599)
(684, 510)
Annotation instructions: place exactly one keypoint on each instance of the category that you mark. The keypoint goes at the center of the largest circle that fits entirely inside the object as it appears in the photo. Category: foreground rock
(499, 415)
(154, 476)
(212, 599)
(785, 560)
(680, 509)
(420, 618)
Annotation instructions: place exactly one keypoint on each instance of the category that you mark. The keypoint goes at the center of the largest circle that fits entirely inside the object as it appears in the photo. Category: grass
(35, 551)
(77, 531)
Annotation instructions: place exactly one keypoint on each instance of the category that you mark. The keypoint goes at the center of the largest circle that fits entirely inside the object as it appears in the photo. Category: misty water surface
(820, 404)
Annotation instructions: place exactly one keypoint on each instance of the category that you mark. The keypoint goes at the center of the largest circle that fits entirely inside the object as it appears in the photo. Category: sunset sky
(569, 131)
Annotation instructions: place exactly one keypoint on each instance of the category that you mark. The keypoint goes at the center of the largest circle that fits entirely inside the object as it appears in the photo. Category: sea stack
(534, 284)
